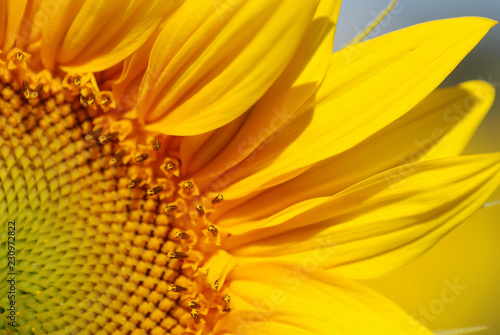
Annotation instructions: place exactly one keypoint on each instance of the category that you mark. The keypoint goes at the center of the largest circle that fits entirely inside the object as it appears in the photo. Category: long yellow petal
(467, 116)
(383, 222)
(281, 298)
(367, 87)
(441, 123)
(296, 84)
(210, 80)
(93, 35)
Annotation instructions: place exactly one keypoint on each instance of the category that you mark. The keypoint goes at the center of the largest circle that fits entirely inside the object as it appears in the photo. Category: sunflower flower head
(211, 168)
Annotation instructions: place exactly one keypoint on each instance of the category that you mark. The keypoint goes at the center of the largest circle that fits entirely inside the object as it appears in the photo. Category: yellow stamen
(176, 288)
(212, 229)
(199, 209)
(31, 94)
(181, 235)
(117, 157)
(104, 100)
(77, 81)
(193, 304)
(106, 138)
(90, 99)
(227, 300)
(218, 198)
(215, 285)
(156, 144)
(134, 183)
(83, 101)
(20, 56)
(93, 135)
(170, 209)
(177, 255)
(195, 315)
(154, 191)
(141, 158)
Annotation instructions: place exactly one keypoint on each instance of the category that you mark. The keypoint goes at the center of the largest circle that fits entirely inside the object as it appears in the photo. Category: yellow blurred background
(468, 259)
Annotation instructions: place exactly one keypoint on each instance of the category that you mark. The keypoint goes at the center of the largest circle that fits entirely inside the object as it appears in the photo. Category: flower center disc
(103, 245)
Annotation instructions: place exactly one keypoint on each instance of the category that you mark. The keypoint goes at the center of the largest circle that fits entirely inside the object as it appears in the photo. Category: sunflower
(211, 167)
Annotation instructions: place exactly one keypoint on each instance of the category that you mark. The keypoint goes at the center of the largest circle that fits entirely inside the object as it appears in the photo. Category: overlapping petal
(367, 87)
(273, 113)
(466, 114)
(11, 14)
(439, 125)
(201, 81)
(281, 298)
(378, 224)
(297, 83)
(93, 35)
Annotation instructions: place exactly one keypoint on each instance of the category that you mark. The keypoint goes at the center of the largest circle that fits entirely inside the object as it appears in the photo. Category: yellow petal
(11, 14)
(126, 87)
(29, 27)
(368, 86)
(442, 123)
(383, 222)
(467, 116)
(281, 298)
(92, 35)
(210, 80)
(3, 22)
(296, 84)
(461, 331)
(199, 149)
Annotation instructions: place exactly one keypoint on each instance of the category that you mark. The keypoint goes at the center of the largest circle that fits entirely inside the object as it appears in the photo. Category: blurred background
(469, 257)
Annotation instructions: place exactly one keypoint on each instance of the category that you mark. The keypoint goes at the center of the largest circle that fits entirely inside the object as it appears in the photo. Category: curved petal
(92, 35)
(440, 124)
(367, 87)
(467, 115)
(210, 80)
(126, 87)
(11, 15)
(381, 223)
(296, 84)
(281, 298)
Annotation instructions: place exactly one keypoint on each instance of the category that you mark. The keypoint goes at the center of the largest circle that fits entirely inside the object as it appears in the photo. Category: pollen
(181, 235)
(93, 135)
(213, 230)
(218, 198)
(106, 138)
(134, 183)
(29, 93)
(141, 158)
(77, 81)
(117, 157)
(156, 144)
(20, 56)
(104, 100)
(170, 209)
(155, 190)
(111, 237)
